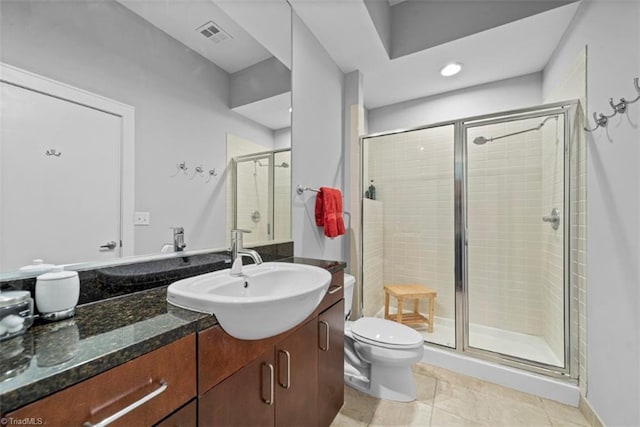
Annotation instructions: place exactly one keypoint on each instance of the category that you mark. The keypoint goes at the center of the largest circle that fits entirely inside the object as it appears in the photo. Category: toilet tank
(349, 283)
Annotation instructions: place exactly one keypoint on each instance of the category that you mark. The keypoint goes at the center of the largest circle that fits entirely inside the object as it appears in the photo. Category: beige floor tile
(405, 414)
(442, 418)
(463, 402)
(426, 369)
(358, 406)
(559, 413)
(564, 423)
(426, 388)
(511, 413)
(342, 420)
(502, 392)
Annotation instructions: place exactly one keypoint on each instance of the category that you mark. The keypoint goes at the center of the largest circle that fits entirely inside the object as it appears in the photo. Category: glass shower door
(515, 237)
(408, 223)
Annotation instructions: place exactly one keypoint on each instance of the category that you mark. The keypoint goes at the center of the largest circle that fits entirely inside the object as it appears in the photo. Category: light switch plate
(141, 218)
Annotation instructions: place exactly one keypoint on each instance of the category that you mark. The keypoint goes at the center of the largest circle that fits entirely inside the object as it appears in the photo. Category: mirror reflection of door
(60, 152)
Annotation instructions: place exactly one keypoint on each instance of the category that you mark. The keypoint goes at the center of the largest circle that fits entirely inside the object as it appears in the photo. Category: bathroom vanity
(181, 365)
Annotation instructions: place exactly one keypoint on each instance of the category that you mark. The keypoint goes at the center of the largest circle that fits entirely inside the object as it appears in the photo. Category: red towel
(329, 211)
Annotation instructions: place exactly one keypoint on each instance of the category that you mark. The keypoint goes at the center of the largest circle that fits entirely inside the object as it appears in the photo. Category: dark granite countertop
(102, 335)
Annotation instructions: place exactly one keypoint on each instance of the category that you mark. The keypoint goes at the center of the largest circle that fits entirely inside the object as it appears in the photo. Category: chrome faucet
(178, 239)
(238, 251)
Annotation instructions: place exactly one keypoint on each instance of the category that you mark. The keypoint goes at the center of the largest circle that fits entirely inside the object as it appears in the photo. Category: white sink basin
(266, 300)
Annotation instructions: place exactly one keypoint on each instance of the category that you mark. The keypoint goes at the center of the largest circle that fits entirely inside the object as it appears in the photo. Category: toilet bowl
(378, 354)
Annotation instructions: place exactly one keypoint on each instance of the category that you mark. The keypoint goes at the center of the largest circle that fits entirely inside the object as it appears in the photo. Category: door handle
(269, 400)
(288, 355)
(111, 245)
(326, 325)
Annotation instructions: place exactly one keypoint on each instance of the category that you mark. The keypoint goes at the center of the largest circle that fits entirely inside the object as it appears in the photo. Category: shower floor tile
(447, 398)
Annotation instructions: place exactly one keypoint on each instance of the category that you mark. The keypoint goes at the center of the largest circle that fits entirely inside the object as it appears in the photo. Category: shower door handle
(553, 218)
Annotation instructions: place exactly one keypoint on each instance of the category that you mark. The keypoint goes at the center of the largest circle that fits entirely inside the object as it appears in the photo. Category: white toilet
(378, 354)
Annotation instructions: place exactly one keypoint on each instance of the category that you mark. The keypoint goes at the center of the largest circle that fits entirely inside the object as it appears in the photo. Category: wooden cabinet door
(330, 363)
(297, 377)
(246, 398)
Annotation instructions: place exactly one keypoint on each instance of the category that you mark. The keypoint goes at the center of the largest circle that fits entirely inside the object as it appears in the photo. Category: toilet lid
(386, 333)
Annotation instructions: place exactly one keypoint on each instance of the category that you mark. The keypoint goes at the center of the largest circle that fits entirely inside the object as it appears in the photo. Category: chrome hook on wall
(619, 108)
(183, 167)
(197, 171)
(53, 152)
(602, 120)
(212, 173)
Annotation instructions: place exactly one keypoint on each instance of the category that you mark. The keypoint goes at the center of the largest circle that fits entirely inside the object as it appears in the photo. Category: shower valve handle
(553, 218)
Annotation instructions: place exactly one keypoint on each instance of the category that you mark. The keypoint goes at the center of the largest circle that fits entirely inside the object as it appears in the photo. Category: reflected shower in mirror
(188, 72)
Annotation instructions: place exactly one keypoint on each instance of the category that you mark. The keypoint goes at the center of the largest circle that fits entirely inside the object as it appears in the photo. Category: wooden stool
(415, 292)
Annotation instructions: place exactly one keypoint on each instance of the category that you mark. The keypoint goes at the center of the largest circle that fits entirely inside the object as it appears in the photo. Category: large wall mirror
(122, 119)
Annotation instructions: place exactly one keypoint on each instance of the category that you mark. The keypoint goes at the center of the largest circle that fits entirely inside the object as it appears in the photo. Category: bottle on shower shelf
(372, 191)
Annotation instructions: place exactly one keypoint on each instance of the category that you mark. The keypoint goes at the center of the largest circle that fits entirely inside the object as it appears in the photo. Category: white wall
(613, 195)
(180, 100)
(317, 134)
(518, 92)
(282, 138)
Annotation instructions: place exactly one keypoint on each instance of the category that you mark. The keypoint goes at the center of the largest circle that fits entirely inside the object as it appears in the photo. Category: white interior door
(60, 207)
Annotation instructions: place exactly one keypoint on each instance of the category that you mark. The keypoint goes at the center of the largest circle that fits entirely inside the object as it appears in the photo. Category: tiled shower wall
(413, 176)
(504, 199)
(373, 259)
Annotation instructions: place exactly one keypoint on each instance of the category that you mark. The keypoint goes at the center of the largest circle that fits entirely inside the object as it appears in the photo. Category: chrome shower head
(480, 140)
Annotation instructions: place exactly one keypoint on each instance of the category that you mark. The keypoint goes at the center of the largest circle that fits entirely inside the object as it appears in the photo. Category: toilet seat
(385, 333)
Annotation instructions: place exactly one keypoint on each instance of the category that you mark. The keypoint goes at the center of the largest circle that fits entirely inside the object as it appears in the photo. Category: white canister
(57, 293)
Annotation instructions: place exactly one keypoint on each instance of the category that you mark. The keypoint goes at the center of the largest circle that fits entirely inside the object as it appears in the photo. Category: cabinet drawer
(335, 292)
(100, 397)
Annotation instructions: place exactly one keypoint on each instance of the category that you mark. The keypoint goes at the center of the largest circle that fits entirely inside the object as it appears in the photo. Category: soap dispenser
(57, 293)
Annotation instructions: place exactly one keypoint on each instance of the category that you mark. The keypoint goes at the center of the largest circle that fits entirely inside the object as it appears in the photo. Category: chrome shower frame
(568, 110)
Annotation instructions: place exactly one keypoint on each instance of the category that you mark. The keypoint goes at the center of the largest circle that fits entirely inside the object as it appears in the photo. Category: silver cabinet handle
(326, 325)
(288, 383)
(109, 245)
(134, 405)
(335, 289)
(269, 401)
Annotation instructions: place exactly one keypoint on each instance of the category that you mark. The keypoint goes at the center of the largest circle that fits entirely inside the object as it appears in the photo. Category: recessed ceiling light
(290, 109)
(451, 69)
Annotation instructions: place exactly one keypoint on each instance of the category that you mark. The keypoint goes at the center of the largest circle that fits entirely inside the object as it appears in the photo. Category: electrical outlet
(141, 218)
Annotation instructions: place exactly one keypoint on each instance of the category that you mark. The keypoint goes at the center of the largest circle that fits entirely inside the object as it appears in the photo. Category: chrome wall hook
(212, 173)
(197, 171)
(53, 152)
(601, 120)
(183, 167)
(636, 83)
(619, 108)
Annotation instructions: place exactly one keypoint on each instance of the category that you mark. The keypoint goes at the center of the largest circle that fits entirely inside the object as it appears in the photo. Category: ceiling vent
(213, 32)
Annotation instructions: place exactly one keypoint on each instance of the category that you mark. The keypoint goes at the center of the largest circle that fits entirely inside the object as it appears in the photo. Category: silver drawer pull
(269, 401)
(326, 325)
(288, 383)
(134, 405)
(335, 289)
